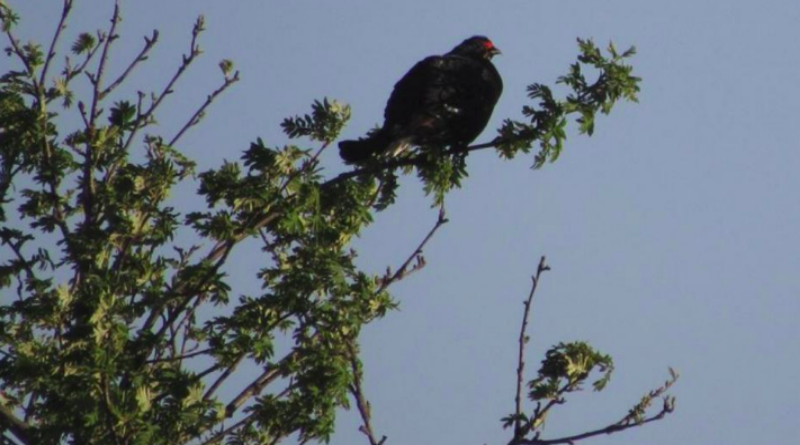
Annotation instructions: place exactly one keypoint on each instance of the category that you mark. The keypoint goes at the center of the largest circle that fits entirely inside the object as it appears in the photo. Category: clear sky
(672, 232)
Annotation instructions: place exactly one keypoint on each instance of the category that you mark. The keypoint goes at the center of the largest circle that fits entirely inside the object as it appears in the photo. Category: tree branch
(268, 376)
(405, 161)
(180, 357)
(519, 432)
(403, 271)
(668, 408)
(97, 80)
(362, 403)
(51, 52)
(24, 59)
(194, 51)
(224, 376)
(200, 111)
(221, 435)
(149, 43)
(70, 73)
(253, 389)
(17, 248)
(634, 418)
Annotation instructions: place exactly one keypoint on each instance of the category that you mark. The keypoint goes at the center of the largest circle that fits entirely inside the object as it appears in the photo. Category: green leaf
(83, 43)
(226, 65)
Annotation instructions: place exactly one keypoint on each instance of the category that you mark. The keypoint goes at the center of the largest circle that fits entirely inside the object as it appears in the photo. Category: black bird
(443, 100)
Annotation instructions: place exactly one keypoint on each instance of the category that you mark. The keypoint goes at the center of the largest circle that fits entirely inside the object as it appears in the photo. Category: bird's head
(477, 47)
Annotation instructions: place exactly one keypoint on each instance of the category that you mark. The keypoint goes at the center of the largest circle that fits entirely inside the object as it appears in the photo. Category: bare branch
(194, 51)
(361, 400)
(82, 112)
(519, 432)
(221, 379)
(87, 182)
(404, 271)
(253, 389)
(149, 43)
(200, 111)
(668, 408)
(97, 79)
(52, 51)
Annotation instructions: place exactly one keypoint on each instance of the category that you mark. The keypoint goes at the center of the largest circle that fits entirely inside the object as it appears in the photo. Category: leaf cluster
(548, 118)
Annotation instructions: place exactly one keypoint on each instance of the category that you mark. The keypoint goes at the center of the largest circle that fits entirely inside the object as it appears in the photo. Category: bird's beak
(495, 51)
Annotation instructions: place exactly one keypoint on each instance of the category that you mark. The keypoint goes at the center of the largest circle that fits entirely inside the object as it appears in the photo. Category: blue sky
(672, 232)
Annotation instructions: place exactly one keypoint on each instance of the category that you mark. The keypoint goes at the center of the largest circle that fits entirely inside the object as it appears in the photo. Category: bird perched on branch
(443, 100)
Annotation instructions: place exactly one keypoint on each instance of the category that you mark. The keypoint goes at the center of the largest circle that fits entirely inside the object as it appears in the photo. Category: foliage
(114, 332)
(548, 122)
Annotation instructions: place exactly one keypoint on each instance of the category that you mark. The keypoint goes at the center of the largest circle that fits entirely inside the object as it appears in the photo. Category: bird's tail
(359, 150)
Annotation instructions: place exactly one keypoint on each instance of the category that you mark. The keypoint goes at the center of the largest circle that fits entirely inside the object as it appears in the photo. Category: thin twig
(268, 376)
(253, 389)
(611, 429)
(70, 73)
(245, 422)
(149, 43)
(194, 51)
(52, 51)
(634, 418)
(362, 403)
(523, 340)
(24, 59)
(224, 376)
(16, 247)
(94, 113)
(540, 414)
(221, 435)
(403, 271)
(97, 80)
(181, 357)
(200, 111)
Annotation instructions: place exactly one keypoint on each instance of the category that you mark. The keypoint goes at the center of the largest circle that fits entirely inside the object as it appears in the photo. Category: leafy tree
(105, 332)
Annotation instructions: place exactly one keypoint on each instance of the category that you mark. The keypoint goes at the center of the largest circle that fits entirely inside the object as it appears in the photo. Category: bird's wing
(410, 94)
